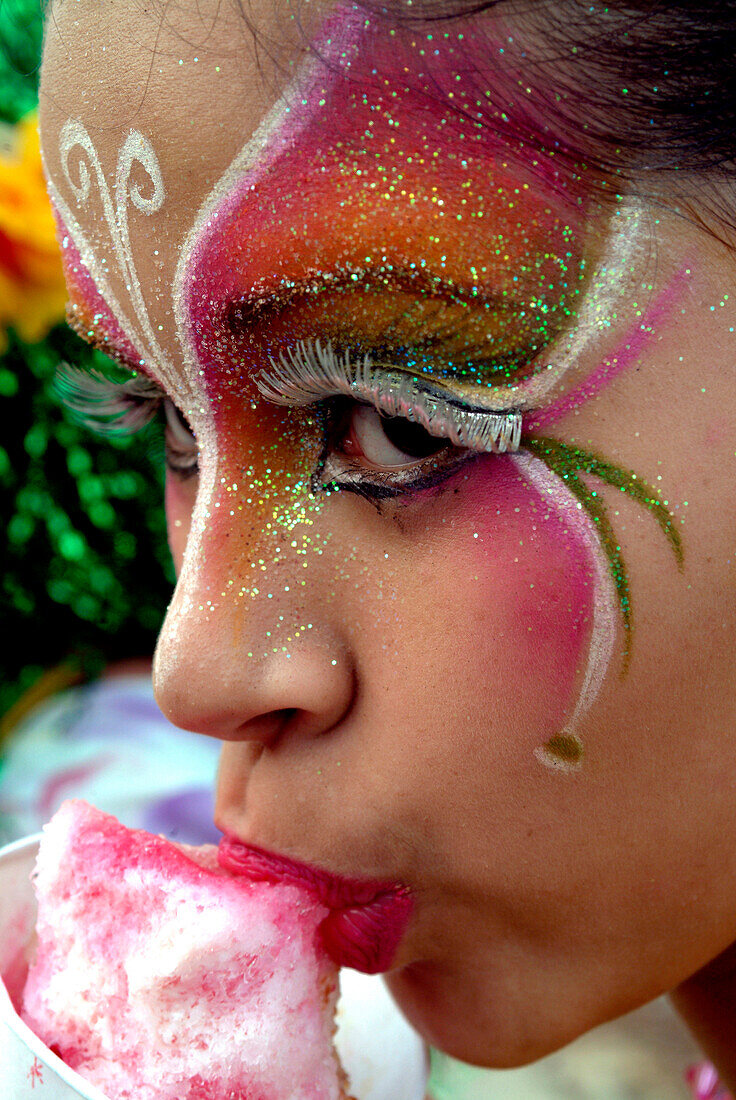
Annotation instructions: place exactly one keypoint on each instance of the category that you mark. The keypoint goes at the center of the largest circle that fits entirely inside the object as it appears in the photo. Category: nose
(214, 675)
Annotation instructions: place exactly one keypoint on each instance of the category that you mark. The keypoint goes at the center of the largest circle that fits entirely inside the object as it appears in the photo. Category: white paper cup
(28, 1069)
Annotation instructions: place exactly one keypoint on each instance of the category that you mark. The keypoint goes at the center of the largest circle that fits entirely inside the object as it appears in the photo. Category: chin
(476, 1027)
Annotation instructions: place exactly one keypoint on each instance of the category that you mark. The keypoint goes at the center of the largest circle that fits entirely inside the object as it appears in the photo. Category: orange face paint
(369, 215)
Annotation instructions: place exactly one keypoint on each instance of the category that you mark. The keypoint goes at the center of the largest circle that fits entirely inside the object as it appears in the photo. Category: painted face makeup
(375, 242)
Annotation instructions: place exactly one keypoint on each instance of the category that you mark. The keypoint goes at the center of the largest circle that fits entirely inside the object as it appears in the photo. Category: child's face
(455, 671)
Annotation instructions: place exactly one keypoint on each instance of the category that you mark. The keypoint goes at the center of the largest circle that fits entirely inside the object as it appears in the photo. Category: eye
(386, 432)
(385, 442)
(182, 450)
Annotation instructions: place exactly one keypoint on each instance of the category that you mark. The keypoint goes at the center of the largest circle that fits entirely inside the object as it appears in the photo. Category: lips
(366, 920)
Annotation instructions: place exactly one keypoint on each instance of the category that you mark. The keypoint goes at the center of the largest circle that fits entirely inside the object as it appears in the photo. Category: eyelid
(311, 372)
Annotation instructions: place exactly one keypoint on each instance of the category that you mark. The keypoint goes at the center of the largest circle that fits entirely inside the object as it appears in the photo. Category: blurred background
(85, 570)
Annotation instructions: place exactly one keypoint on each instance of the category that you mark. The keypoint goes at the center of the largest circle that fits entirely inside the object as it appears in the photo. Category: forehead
(154, 56)
(187, 77)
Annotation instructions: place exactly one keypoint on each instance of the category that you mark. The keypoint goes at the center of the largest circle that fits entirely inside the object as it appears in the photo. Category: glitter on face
(568, 463)
(316, 237)
(621, 359)
(374, 212)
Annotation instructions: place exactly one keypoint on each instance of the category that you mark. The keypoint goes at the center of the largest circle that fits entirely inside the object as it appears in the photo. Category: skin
(382, 710)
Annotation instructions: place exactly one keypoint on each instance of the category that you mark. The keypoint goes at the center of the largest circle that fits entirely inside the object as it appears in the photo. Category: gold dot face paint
(371, 224)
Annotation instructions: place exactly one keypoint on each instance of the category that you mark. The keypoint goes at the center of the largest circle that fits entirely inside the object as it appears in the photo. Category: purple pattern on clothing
(109, 744)
(185, 816)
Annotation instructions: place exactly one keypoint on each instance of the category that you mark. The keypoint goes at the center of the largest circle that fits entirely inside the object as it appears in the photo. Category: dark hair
(643, 90)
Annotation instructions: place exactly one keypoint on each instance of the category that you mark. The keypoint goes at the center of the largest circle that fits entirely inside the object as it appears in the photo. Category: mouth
(366, 920)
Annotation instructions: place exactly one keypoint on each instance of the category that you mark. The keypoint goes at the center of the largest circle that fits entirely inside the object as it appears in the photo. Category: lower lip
(366, 920)
(366, 937)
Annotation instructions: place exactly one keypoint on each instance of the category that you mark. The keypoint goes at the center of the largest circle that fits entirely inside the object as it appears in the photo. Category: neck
(707, 1004)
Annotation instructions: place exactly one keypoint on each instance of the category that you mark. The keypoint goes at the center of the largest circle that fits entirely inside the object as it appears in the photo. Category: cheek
(521, 601)
(538, 582)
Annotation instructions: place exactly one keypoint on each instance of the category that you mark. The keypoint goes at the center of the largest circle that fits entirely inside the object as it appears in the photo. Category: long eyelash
(312, 372)
(104, 406)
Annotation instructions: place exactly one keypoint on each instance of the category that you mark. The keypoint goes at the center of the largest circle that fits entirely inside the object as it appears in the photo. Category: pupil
(411, 438)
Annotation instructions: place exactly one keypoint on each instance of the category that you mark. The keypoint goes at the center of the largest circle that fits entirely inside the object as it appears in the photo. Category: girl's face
(499, 678)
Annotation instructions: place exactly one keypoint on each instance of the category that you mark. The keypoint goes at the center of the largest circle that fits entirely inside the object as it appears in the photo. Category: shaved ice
(159, 975)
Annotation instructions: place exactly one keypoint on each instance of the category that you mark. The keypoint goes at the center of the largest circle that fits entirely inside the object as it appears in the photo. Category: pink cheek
(534, 591)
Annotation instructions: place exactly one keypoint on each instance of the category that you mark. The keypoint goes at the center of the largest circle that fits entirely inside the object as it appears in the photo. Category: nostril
(266, 728)
(215, 692)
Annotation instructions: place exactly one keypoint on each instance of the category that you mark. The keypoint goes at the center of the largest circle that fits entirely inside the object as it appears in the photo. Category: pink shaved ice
(161, 976)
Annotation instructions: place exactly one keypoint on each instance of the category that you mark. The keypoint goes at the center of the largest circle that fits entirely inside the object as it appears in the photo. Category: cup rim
(10, 1018)
(21, 844)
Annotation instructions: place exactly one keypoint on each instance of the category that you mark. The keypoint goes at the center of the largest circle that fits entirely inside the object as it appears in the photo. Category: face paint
(626, 355)
(564, 750)
(367, 213)
(135, 152)
(413, 705)
(313, 233)
(89, 313)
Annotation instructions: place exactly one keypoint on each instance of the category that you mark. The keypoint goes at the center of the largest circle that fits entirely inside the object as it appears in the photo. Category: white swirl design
(147, 198)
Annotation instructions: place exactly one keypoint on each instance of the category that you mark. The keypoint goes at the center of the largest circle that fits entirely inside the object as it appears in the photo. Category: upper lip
(334, 891)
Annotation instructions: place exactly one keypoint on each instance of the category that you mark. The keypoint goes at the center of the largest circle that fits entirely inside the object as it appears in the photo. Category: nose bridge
(246, 634)
(257, 532)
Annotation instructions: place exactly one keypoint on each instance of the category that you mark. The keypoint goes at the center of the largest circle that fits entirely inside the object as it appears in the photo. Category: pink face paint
(538, 572)
(595, 578)
(364, 215)
(626, 355)
(89, 313)
(314, 229)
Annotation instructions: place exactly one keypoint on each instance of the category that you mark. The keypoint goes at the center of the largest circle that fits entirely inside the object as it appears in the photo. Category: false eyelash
(311, 372)
(105, 406)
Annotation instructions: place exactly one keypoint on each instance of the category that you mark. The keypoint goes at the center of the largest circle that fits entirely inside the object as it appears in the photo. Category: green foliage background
(84, 567)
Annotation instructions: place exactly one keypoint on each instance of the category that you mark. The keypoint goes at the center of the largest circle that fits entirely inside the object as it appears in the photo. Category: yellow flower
(32, 293)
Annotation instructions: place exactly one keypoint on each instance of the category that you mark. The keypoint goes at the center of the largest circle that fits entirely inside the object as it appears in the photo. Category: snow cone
(159, 975)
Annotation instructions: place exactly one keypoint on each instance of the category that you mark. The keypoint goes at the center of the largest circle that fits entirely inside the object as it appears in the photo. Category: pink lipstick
(366, 919)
